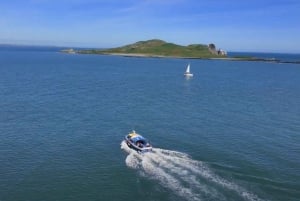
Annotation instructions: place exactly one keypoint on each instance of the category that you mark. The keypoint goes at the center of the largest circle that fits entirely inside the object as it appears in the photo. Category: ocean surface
(232, 132)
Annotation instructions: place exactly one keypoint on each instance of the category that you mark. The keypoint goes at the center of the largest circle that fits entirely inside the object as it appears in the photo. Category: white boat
(187, 72)
(138, 142)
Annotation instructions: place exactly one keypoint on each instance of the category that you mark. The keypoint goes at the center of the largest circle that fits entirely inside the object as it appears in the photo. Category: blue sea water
(282, 57)
(229, 133)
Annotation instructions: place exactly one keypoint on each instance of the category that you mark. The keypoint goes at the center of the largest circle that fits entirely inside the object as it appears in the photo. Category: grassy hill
(157, 47)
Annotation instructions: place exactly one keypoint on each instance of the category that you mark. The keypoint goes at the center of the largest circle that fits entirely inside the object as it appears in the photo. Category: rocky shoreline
(271, 60)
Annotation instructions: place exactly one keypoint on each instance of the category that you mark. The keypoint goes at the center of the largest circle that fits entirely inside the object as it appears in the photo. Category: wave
(188, 178)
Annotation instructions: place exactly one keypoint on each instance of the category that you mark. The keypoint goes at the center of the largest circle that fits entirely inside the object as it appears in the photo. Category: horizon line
(90, 47)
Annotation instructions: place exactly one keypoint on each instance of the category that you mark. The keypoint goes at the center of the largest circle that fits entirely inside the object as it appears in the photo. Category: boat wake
(189, 179)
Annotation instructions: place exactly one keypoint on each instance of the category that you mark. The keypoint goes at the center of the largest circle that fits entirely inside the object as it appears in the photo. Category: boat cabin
(138, 140)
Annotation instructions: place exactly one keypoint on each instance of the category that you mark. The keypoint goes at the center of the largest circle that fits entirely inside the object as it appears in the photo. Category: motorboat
(137, 142)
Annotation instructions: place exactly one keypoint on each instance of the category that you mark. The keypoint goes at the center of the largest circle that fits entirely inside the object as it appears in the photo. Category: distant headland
(159, 48)
(162, 49)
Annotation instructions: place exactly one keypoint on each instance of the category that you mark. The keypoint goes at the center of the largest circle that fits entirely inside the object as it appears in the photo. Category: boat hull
(141, 146)
(188, 75)
(136, 148)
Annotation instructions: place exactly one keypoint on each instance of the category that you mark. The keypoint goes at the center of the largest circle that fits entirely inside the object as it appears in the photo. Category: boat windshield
(138, 138)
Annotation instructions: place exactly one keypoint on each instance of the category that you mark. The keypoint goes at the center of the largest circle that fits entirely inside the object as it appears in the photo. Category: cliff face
(212, 48)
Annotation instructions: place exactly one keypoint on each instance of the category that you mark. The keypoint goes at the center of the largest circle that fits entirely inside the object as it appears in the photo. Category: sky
(232, 25)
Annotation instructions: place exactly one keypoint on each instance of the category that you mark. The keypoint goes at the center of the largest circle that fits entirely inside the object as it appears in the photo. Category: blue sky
(233, 25)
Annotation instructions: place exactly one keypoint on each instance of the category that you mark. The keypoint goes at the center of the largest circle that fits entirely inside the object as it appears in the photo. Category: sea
(231, 132)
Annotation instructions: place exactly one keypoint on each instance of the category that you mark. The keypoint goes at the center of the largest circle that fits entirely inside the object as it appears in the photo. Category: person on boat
(139, 144)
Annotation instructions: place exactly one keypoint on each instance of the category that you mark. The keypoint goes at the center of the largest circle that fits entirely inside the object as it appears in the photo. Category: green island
(160, 48)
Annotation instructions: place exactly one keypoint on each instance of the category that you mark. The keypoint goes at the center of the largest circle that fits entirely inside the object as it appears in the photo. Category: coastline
(140, 55)
(254, 59)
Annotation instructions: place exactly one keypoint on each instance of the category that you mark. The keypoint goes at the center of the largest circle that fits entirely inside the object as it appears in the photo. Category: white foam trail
(166, 179)
(190, 179)
(200, 169)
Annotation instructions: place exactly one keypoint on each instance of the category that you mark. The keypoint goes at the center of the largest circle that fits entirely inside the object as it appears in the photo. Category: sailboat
(187, 72)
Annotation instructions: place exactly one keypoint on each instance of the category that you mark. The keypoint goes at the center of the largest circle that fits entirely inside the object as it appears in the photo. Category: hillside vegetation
(157, 47)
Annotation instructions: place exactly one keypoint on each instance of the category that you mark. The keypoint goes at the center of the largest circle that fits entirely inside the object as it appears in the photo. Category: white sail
(187, 69)
(187, 72)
